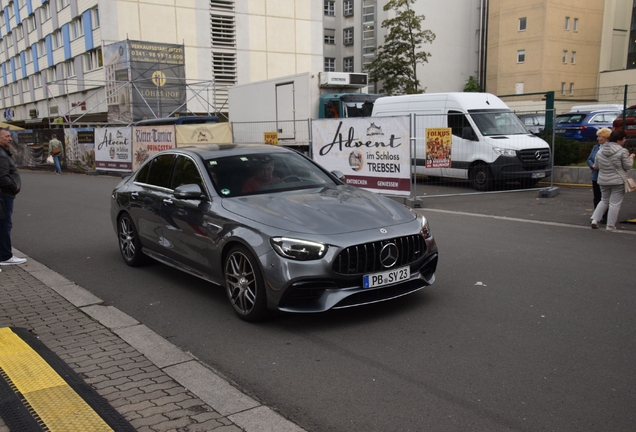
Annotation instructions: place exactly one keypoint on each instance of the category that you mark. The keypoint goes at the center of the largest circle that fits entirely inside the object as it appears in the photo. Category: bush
(569, 152)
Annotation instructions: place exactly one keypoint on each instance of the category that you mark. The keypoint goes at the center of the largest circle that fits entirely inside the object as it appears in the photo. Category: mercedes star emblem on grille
(389, 255)
(383, 231)
(537, 155)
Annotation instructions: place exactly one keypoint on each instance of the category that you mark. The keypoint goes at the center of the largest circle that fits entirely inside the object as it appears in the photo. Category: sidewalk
(152, 383)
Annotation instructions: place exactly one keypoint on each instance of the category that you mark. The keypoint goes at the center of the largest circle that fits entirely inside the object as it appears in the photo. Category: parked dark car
(630, 121)
(273, 228)
(583, 125)
(535, 123)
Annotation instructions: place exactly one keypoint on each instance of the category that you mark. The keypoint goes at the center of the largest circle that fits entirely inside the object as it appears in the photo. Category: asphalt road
(529, 327)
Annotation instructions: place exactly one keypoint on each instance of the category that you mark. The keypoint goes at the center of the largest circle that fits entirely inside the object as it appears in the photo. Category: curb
(196, 377)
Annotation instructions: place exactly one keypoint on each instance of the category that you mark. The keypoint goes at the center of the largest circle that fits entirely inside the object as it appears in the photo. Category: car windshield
(570, 118)
(493, 122)
(258, 173)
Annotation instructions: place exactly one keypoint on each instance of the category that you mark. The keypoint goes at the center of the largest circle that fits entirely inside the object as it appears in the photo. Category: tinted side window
(142, 175)
(160, 171)
(457, 122)
(186, 172)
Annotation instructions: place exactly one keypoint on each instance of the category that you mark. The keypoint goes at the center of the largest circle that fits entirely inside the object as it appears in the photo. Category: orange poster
(439, 143)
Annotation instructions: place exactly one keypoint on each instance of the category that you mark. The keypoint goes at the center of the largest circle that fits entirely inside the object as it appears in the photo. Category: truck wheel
(481, 177)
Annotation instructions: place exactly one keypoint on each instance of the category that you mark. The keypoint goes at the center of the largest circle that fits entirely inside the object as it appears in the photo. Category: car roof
(209, 151)
(588, 112)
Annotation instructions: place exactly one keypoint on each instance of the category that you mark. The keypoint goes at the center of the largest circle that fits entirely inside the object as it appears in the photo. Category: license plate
(560, 131)
(631, 126)
(386, 278)
(538, 175)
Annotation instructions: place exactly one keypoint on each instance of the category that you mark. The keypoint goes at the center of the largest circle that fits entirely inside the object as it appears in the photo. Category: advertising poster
(31, 147)
(158, 73)
(80, 149)
(372, 153)
(439, 143)
(116, 70)
(113, 149)
(204, 133)
(148, 140)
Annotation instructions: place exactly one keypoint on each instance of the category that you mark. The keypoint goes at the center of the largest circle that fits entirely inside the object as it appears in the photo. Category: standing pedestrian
(9, 188)
(602, 136)
(56, 150)
(613, 162)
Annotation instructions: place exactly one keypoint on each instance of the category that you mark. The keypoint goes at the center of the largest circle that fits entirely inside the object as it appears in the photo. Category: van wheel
(481, 177)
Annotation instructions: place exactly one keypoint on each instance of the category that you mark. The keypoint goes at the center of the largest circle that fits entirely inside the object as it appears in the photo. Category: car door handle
(134, 195)
(167, 201)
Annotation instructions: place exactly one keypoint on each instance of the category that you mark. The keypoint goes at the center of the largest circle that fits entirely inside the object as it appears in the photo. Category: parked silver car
(273, 228)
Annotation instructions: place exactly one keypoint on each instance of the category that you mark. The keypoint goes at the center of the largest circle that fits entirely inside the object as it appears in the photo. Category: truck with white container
(490, 145)
(310, 95)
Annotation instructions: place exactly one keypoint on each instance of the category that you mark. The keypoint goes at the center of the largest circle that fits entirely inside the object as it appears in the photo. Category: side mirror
(469, 134)
(339, 175)
(189, 191)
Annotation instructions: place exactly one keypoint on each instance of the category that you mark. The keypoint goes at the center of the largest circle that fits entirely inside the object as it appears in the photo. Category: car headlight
(301, 250)
(425, 229)
(505, 152)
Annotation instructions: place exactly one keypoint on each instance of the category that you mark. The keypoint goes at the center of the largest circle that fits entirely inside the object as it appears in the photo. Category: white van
(489, 143)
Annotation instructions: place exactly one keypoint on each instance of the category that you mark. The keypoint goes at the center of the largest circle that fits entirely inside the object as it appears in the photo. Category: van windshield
(495, 122)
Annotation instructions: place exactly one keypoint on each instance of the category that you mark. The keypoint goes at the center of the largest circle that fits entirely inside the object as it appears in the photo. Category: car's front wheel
(244, 285)
(129, 243)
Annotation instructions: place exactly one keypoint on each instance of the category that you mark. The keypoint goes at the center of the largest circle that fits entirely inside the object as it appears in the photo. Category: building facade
(571, 47)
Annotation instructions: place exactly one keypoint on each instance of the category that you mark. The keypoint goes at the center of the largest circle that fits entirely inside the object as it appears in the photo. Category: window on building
(28, 55)
(1, 46)
(330, 7)
(19, 33)
(21, 3)
(77, 29)
(69, 69)
(347, 7)
(522, 24)
(45, 12)
(519, 88)
(51, 75)
(575, 25)
(11, 12)
(330, 36)
(95, 13)
(330, 64)
(41, 48)
(567, 23)
(565, 56)
(521, 56)
(56, 39)
(571, 89)
(9, 39)
(347, 64)
(29, 24)
(573, 57)
(562, 88)
(61, 4)
(93, 60)
(37, 80)
(15, 88)
(347, 38)
(25, 85)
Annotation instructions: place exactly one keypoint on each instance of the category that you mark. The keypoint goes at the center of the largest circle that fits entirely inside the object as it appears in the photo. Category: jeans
(58, 168)
(597, 198)
(6, 210)
(612, 197)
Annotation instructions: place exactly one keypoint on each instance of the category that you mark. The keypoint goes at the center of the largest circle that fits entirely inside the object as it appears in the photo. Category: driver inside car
(264, 176)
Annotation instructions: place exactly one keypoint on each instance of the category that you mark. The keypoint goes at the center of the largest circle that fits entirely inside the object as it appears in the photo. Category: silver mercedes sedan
(274, 229)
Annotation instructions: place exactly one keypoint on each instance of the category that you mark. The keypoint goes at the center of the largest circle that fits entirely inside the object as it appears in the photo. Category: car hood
(330, 210)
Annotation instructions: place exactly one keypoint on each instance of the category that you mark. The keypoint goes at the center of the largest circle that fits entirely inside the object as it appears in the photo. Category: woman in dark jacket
(613, 162)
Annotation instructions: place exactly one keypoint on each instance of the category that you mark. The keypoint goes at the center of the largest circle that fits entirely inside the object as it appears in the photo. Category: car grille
(365, 258)
(529, 158)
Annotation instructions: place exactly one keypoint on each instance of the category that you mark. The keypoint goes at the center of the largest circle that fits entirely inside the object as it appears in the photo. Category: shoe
(610, 228)
(594, 224)
(13, 260)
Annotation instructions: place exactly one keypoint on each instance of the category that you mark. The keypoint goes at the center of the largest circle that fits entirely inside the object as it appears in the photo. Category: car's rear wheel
(481, 177)
(244, 285)
(129, 243)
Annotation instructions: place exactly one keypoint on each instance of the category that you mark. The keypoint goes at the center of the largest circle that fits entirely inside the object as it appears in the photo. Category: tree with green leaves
(395, 65)
(472, 85)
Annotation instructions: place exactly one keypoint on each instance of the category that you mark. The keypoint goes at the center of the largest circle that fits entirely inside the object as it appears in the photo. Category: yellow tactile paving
(54, 401)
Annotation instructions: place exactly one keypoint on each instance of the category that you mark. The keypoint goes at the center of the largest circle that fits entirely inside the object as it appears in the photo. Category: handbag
(49, 160)
(56, 151)
(630, 184)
